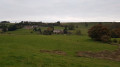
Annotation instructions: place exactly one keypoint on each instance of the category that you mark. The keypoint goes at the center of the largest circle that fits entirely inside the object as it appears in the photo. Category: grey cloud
(64, 10)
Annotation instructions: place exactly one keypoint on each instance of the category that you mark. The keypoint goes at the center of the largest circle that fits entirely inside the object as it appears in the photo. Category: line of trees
(12, 27)
(40, 23)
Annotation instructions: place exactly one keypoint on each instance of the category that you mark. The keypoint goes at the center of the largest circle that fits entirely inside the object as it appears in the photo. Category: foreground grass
(24, 51)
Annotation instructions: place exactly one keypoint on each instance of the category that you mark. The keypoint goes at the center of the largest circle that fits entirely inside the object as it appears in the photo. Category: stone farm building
(30, 27)
(58, 31)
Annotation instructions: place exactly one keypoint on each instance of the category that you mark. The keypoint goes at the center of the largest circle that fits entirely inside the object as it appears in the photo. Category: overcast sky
(62, 10)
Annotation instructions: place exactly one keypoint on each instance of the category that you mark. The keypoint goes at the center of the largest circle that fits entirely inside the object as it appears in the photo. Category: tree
(58, 22)
(5, 22)
(35, 29)
(65, 30)
(98, 31)
(4, 27)
(12, 28)
(39, 30)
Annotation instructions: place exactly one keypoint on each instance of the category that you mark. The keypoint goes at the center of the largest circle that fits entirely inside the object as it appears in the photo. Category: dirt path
(111, 55)
(58, 52)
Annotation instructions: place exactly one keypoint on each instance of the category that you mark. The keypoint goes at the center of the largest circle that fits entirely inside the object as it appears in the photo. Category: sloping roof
(57, 30)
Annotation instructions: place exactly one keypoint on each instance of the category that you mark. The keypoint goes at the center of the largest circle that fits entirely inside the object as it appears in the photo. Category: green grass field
(21, 48)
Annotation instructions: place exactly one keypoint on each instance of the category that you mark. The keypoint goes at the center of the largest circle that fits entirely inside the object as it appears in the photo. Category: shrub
(49, 31)
(105, 38)
(46, 32)
(115, 33)
(98, 31)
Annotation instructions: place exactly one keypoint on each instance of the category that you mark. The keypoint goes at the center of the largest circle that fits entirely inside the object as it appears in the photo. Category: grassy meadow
(21, 48)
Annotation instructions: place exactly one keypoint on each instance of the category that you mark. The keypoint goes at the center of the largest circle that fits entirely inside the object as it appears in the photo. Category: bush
(105, 38)
(98, 32)
(49, 31)
(78, 32)
(46, 32)
(115, 33)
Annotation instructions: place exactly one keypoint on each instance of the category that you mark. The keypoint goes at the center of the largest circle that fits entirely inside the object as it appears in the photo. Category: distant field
(81, 26)
(21, 48)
